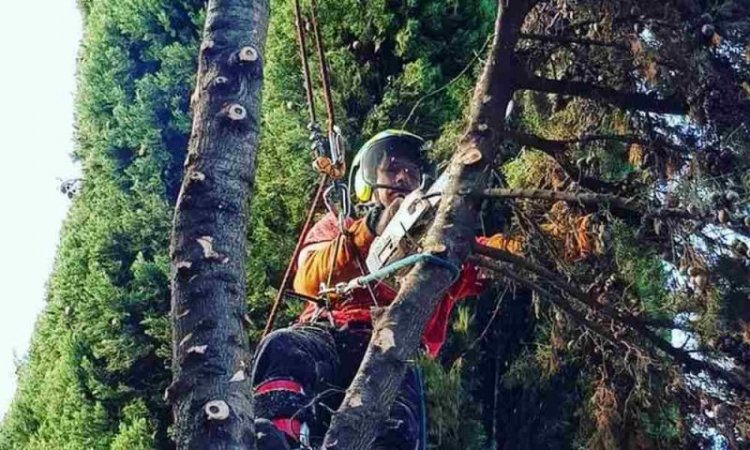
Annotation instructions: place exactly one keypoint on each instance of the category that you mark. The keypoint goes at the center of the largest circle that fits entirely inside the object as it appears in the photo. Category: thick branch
(736, 379)
(210, 392)
(626, 100)
(397, 333)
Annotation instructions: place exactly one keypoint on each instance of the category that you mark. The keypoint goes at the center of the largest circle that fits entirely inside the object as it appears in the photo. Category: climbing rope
(333, 164)
(302, 41)
(328, 154)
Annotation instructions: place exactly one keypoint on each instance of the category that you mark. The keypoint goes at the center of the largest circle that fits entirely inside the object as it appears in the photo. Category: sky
(37, 84)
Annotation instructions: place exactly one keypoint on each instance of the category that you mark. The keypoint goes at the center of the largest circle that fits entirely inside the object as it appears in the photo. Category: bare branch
(547, 295)
(570, 40)
(626, 100)
(628, 205)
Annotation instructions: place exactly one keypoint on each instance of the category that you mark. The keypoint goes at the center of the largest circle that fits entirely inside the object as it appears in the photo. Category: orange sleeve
(502, 242)
(316, 267)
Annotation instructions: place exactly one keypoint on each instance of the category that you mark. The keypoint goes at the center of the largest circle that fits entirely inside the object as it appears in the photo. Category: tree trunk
(398, 331)
(210, 392)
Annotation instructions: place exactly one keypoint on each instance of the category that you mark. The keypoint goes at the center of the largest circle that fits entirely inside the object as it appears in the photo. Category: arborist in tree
(301, 372)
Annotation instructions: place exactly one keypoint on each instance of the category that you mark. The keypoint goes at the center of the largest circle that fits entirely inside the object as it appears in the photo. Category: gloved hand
(379, 217)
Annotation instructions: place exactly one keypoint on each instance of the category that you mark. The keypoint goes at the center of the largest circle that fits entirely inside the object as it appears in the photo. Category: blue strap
(406, 262)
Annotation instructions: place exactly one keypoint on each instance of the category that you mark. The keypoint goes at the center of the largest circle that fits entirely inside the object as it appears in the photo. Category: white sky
(36, 138)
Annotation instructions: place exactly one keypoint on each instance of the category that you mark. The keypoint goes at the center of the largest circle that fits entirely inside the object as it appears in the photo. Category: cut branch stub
(247, 54)
(470, 157)
(220, 82)
(207, 244)
(186, 339)
(355, 401)
(238, 376)
(198, 349)
(197, 176)
(207, 46)
(216, 410)
(384, 339)
(235, 112)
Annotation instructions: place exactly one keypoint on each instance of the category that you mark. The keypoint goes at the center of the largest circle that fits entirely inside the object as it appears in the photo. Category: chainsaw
(417, 210)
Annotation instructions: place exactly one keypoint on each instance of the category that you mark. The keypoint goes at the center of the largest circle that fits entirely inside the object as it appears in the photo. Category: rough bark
(210, 392)
(398, 331)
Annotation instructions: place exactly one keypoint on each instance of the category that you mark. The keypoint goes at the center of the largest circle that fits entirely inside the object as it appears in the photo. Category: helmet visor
(398, 161)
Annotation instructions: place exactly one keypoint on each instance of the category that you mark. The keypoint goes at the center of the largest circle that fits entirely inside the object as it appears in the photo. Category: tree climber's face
(401, 173)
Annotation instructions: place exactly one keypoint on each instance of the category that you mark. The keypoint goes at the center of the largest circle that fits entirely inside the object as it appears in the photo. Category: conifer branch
(557, 151)
(570, 40)
(735, 378)
(625, 100)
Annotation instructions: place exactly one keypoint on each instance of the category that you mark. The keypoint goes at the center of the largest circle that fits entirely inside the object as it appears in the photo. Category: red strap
(279, 385)
(290, 427)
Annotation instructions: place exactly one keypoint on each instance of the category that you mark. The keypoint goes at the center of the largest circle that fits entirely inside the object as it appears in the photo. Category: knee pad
(282, 398)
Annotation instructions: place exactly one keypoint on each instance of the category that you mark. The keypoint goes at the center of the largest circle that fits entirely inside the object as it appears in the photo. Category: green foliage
(453, 414)
(528, 170)
(101, 346)
(641, 269)
(136, 431)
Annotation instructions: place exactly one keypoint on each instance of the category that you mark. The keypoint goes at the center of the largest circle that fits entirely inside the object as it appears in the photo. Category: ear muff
(361, 188)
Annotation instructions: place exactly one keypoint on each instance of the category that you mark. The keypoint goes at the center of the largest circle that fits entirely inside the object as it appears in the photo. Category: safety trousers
(300, 375)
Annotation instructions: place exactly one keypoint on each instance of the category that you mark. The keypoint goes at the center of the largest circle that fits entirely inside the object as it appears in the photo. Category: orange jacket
(314, 264)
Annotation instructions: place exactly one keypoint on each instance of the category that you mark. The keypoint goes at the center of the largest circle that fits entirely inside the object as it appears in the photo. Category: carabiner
(337, 146)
